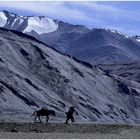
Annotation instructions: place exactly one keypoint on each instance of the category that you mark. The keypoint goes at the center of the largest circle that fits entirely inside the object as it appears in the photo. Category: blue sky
(118, 15)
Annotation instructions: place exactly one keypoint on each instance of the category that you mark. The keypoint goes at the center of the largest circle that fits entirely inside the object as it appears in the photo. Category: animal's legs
(35, 118)
(39, 119)
(47, 118)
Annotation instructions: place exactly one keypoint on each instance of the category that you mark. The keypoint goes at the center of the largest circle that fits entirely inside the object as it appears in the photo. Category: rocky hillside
(129, 71)
(32, 76)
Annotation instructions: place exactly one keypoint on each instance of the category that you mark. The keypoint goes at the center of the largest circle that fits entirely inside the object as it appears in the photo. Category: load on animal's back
(43, 112)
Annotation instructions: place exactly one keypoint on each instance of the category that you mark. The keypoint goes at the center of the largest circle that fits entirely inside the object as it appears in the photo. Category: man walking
(70, 115)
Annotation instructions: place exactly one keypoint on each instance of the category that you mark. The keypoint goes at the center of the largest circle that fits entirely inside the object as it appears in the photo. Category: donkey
(43, 112)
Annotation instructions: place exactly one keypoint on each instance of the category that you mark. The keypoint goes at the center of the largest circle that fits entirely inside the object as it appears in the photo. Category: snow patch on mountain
(17, 19)
(117, 32)
(3, 19)
(41, 25)
(138, 38)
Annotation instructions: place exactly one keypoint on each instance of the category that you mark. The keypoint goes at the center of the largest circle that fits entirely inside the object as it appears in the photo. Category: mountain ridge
(95, 45)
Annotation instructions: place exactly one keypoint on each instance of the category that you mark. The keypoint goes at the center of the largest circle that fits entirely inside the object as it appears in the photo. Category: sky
(123, 16)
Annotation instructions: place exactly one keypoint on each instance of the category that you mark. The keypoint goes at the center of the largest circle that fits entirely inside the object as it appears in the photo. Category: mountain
(27, 24)
(53, 32)
(63, 36)
(91, 45)
(33, 75)
(105, 46)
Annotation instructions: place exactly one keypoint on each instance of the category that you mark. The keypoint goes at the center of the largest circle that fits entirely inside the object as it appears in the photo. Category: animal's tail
(34, 113)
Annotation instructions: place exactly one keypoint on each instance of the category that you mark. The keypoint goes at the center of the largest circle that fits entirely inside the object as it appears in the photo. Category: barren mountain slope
(32, 76)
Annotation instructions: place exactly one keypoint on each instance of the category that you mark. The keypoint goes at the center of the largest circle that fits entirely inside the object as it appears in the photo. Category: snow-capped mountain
(33, 75)
(53, 32)
(27, 24)
(95, 46)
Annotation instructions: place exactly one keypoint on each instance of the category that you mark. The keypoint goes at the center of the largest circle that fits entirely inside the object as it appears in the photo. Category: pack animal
(43, 112)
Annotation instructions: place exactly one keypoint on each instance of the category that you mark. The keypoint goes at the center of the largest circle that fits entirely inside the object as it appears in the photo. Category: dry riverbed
(73, 131)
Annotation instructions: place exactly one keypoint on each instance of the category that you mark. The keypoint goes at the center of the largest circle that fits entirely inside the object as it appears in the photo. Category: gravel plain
(68, 131)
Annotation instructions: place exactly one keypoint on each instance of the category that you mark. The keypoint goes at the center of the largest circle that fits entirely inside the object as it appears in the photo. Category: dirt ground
(65, 131)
